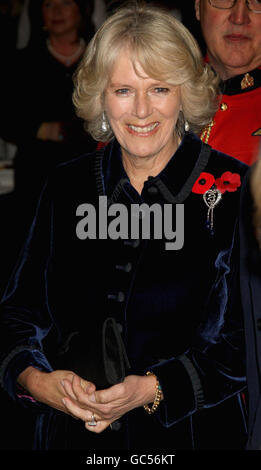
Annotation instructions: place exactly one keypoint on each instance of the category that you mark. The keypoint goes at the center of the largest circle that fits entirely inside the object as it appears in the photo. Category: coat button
(258, 324)
(126, 267)
(115, 426)
(223, 106)
(132, 243)
(119, 297)
(153, 191)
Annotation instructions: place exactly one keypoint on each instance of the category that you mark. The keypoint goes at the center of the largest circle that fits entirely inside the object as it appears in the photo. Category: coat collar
(232, 86)
(174, 182)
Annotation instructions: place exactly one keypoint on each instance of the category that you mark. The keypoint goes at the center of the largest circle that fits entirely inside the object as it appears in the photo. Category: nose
(239, 14)
(57, 8)
(56, 5)
(142, 107)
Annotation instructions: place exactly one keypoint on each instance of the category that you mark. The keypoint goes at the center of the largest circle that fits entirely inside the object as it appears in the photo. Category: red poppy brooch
(212, 190)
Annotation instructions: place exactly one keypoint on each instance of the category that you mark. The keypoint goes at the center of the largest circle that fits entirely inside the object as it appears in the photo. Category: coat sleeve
(25, 319)
(213, 368)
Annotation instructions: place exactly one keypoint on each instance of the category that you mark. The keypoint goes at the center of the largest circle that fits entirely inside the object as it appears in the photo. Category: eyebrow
(119, 85)
(127, 85)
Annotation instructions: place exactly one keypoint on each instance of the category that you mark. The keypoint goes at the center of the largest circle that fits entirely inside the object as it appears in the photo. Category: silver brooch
(211, 198)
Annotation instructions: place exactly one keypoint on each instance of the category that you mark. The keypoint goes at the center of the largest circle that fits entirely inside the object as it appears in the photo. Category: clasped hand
(66, 391)
(84, 402)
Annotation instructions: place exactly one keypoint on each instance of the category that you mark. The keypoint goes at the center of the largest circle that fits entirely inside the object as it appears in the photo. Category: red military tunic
(237, 123)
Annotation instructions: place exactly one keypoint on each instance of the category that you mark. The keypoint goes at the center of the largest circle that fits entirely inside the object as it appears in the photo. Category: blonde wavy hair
(166, 51)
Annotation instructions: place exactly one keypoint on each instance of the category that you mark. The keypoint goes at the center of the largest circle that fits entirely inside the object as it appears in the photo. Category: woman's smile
(142, 111)
(143, 130)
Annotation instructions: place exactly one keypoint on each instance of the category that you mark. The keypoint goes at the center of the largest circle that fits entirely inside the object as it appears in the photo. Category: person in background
(96, 10)
(142, 342)
(37, 112)
(232, 33)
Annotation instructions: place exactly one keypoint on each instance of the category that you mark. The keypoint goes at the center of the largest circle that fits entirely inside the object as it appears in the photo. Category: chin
(143, 152)
(237, 59)
(237, 63)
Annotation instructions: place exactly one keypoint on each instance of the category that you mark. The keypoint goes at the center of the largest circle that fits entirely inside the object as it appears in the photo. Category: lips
(55, 22)
(143, 130)
(236, 37)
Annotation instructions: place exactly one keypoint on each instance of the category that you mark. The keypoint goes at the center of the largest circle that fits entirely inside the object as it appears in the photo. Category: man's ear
(197, 9)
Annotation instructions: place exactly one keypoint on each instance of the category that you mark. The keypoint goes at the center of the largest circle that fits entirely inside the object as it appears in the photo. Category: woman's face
(61, 16)
(142, 111)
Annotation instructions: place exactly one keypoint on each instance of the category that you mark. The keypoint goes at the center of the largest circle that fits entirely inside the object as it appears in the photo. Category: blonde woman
(137, 334)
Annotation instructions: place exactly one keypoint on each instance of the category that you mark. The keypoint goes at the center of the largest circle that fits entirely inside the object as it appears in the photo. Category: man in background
(232, 33)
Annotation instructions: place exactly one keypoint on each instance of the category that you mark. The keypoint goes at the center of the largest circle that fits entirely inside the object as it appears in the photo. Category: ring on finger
(92, 422)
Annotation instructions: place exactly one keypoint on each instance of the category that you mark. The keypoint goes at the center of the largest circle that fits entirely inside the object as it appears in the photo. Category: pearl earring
(186, 126)
(105, 125)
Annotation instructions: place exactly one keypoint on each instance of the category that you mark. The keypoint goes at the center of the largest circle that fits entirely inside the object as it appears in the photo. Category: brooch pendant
(211, 198)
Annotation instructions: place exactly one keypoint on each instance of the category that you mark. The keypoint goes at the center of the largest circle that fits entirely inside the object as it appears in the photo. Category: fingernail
(62, 383)
(64, 401)
(92, 397)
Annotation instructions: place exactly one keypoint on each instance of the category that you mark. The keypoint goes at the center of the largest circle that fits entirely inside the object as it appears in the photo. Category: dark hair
(87, 29)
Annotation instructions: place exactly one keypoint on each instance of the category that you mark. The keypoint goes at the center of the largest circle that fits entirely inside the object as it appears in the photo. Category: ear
(197, 9)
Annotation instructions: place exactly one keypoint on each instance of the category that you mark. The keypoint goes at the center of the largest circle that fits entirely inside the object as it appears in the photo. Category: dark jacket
(251, 300)
(178, 311)
(37, 88)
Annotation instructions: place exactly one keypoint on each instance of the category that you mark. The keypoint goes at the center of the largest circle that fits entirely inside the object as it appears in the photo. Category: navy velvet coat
(178, 311)
(250, 277)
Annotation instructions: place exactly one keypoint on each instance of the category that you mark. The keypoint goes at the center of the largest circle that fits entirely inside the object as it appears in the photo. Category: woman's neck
(67, 49)
(139, 169)
(64, 44)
